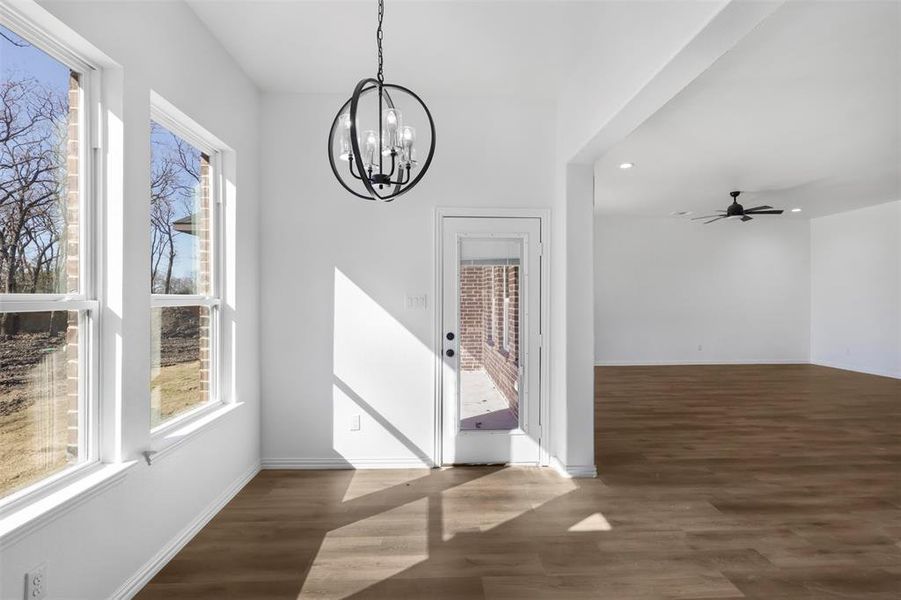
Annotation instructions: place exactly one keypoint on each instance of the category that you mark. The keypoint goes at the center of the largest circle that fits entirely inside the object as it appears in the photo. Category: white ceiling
(447, 47)
(806, 107)
(326, 47)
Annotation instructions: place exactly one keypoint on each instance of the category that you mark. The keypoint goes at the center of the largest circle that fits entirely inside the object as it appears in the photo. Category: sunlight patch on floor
(595, 522)
(365, 482)
(499, 502)
(398, 537)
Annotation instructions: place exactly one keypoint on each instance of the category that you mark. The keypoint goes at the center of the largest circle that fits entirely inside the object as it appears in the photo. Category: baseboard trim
(818, 363)
(344, 463)
(855, 369)
(143, 576)
(674, 363)
(573, 471)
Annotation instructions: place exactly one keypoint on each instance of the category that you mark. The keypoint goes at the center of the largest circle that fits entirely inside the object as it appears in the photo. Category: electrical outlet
(36, 583)
(355, 423)
(700, 348)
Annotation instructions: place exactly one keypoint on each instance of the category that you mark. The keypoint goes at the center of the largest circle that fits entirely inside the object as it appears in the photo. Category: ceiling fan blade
(712, 220)
(707, 217)
(746, 218)
(764, 212)
(764, 207)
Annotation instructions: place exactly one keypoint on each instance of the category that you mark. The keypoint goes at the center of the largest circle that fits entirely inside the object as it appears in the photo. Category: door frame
(544, 397)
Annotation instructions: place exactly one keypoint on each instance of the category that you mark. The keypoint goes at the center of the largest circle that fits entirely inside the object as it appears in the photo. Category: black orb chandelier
(379, 164)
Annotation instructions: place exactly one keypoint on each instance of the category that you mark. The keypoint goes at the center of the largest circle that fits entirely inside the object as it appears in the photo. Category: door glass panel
(489, 334)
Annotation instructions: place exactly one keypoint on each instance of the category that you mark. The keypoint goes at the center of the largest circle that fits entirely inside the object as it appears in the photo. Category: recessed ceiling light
(796, 210)
(626, 165)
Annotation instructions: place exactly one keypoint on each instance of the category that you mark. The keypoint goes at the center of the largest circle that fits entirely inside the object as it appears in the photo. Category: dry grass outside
(175, 389)
(35, 437)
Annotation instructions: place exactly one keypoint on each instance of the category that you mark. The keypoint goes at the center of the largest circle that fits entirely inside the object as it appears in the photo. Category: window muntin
(47, 309)
(185, 305)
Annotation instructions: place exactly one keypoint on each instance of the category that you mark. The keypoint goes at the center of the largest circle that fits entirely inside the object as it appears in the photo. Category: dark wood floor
(768, 482)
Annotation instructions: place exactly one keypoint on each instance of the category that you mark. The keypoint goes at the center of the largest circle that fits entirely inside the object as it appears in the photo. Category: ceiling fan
(737, 211)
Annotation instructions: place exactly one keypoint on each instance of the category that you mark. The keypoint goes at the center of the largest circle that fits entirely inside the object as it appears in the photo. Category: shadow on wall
(384, 375)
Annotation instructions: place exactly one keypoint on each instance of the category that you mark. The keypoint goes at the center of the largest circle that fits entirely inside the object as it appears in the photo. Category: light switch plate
(355, 423)
(416, 302)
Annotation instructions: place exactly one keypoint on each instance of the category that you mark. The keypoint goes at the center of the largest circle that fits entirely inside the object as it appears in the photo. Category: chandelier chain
(378, 38)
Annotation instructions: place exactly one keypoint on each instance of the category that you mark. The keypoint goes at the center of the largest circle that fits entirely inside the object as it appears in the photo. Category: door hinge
(540, 249)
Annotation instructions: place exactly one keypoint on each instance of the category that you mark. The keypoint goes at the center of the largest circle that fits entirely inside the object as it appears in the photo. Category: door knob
(449, 352)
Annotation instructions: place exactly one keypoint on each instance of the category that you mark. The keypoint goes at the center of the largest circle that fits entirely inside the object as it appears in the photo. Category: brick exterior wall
(72, 279)
(482, 326)
(204, 276)
(472, 329)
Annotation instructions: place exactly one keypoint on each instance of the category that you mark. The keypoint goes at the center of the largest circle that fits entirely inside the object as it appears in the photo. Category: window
(185, 305)
(48, 308)
(492, 318)
(505, 333)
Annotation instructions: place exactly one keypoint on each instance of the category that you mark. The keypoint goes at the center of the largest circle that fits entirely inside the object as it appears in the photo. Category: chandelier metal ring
(352, 104)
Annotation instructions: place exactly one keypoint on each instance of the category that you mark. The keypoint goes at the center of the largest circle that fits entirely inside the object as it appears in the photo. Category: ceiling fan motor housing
(736, 211)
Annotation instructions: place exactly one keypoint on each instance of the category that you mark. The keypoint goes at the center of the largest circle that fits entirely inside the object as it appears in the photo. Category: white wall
(92, 549)
(664, 286)
(608, 94)
(856, 290)
(335, 335)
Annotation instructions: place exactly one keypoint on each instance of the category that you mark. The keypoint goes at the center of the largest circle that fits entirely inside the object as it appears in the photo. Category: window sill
(47, 508)
(172, 436)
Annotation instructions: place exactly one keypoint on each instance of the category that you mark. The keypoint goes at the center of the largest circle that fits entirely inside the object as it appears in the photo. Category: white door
(491, 315)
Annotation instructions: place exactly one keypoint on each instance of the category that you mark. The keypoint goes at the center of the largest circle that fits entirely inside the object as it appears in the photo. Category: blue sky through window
(35, 97)
(175, 169)
(19, 59)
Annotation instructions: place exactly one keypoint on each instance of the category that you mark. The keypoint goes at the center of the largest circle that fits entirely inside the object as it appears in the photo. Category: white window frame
(86, 301)
(165, 114)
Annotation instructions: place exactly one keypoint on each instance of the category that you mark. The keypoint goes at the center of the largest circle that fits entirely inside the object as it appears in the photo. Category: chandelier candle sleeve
(344, 126)
(375, 158)
(408, 138)
(369, 142)
(393, 122)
